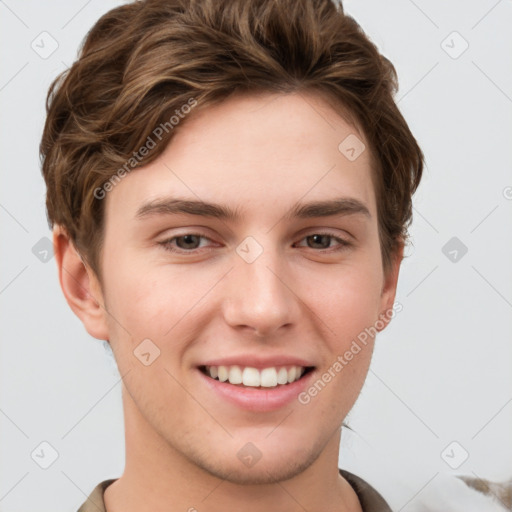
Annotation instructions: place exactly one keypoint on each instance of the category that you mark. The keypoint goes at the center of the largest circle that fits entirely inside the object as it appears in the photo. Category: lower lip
(258, 399)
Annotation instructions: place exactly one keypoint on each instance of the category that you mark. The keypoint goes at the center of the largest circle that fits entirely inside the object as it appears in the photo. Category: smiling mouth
(246, 376)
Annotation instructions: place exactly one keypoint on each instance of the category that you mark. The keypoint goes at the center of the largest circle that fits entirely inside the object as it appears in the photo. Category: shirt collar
(370, 499)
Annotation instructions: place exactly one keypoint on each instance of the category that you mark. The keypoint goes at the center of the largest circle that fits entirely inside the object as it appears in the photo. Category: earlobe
(79, 285)
(389, 288)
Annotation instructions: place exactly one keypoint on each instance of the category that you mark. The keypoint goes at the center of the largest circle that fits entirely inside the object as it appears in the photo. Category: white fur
(447, 493)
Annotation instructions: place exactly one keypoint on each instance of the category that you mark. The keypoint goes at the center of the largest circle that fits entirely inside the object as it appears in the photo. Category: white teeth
(282, 376)
(235, 375)
(222, 372)
(292, 373)
(268, 377)
(252, 377)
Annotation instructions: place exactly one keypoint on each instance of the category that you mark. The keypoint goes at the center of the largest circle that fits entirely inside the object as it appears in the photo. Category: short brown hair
(143, 61)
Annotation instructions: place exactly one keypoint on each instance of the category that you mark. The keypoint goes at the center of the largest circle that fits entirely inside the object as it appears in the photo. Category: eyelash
(166, 244)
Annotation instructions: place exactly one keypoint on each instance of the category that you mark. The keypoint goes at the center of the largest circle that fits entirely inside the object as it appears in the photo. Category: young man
(229, 185)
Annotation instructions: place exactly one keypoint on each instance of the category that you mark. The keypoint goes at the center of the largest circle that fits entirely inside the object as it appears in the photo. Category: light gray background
(441, 371)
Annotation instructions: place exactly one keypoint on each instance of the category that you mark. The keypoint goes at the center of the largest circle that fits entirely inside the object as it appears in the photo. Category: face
(270, 286)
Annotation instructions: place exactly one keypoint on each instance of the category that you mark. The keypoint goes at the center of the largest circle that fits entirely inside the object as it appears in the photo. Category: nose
(260, 296)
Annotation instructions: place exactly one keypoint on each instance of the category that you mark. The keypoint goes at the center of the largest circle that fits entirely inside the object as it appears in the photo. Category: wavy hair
(144, 60)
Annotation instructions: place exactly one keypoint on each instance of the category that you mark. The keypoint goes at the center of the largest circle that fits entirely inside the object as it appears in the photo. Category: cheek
(158, 303)
(349, 301)
(348, 310)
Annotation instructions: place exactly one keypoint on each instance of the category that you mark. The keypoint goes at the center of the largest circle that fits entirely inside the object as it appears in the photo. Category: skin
(301, 296)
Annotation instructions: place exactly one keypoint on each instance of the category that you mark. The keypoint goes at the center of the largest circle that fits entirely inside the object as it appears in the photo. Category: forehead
(256, 151)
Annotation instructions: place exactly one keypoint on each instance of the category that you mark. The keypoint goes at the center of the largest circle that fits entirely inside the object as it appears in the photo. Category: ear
(389, 288)
(80, 285)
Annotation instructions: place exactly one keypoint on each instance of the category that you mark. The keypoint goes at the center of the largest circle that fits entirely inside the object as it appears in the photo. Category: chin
(249, 466)
(260, 474)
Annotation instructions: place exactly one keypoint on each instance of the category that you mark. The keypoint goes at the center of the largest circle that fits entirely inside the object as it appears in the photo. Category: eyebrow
(326, 208)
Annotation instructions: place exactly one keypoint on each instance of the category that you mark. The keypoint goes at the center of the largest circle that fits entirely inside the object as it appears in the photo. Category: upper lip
(258, 361)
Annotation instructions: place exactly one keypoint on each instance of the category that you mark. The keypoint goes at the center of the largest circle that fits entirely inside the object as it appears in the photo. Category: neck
(158, 477)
